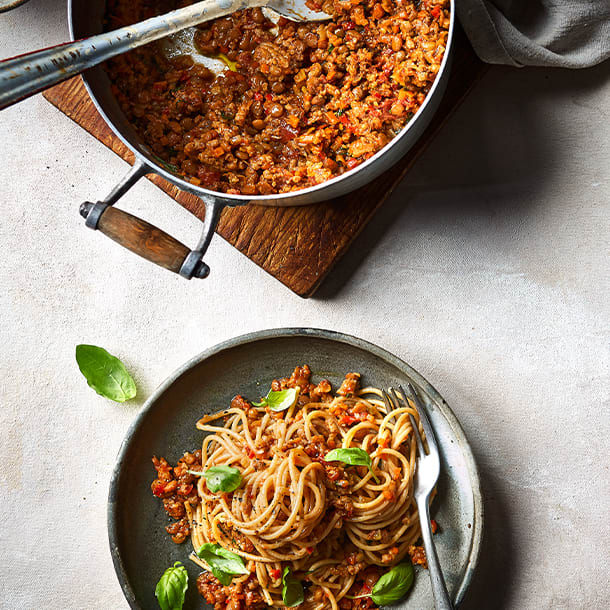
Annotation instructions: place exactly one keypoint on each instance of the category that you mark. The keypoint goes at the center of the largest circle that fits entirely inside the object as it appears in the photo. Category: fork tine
(388, 402)
(423, 418)
(418, 439)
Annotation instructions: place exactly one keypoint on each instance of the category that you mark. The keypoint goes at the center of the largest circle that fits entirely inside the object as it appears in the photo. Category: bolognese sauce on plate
(310, 483)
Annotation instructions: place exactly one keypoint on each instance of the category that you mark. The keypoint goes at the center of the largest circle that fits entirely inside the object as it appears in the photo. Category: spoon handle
(31, 73)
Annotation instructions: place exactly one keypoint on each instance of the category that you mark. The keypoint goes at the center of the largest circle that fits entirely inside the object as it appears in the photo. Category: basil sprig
(279, 401)
(220, 478)
(105, 373)
(172, 586)
(393, 585)
(223, 564)
(352, 456)
(292, 590)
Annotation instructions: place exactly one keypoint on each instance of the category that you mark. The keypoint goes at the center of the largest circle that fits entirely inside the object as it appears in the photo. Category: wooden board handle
(145, 240)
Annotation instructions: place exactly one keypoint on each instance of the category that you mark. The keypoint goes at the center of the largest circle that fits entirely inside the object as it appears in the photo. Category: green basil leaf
(224, 577)
(223, 564)
(172, 586)
(393, 585)
(279, 401)
(105, 373)
(221, 478)
(352, 456)
(292, 590)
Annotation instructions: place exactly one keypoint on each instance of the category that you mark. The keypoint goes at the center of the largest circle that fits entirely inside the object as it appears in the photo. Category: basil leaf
(172, 586)
(105, 373)
(223, 564)
(221, 478)
(279, 401)
(393, 585)
(292, 590)
(352, 456)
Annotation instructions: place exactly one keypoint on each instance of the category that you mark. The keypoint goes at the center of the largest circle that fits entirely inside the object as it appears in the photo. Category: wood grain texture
(298, 245)
(143, 239)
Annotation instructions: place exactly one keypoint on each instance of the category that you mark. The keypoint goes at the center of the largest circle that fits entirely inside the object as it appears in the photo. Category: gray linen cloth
(561, 33)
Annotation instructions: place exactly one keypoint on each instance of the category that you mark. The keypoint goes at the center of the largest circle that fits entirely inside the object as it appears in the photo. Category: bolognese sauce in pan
(296, 103)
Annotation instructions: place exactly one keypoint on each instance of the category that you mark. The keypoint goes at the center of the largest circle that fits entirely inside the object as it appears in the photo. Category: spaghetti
(336, 526)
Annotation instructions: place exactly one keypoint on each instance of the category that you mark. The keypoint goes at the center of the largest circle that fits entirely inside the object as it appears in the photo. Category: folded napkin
(561, 33)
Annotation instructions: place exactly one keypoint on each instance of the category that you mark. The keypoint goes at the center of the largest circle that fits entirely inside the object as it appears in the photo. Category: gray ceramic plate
(7, 5)
(141, 550)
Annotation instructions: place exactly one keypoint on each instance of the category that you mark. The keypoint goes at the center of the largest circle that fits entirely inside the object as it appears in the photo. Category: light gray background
(487, 271)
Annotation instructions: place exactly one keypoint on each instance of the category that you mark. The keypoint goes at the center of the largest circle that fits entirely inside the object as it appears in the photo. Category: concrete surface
(487, 271)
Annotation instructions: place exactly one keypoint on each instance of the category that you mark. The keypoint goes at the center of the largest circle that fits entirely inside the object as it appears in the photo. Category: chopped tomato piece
(288, 133)
(383, 442)
(207, 176)
(159, 489)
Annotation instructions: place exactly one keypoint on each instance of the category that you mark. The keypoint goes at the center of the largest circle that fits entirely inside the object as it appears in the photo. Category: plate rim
(278, 333)
(10, 5)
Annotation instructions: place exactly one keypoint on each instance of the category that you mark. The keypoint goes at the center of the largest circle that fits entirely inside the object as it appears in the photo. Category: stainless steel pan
(142, 238)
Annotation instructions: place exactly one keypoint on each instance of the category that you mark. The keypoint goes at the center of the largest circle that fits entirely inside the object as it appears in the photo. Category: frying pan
(86, 19)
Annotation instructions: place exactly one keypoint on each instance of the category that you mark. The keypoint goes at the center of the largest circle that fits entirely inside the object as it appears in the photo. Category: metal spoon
(31, 73)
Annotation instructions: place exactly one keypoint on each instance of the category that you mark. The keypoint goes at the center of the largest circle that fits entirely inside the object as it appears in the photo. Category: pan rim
(233, 199)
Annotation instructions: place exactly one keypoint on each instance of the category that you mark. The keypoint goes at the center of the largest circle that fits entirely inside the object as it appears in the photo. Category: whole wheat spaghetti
(336, 527)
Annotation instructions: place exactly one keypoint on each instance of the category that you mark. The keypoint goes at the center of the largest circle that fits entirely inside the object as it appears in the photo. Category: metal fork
(426, 475)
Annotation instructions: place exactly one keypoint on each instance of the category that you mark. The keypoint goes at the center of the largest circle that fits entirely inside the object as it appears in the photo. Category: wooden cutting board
(296, 245)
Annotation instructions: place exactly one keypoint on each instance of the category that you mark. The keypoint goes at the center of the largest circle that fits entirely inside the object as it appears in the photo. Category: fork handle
(439, 588)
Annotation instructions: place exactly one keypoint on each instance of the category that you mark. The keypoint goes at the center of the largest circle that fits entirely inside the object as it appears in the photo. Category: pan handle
(146, 240)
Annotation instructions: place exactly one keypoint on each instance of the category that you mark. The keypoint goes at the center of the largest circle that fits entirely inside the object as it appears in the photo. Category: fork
(426, 475)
